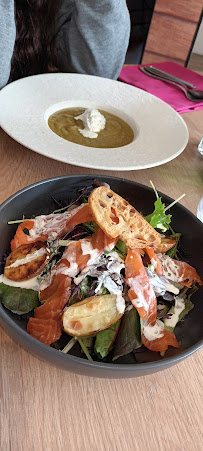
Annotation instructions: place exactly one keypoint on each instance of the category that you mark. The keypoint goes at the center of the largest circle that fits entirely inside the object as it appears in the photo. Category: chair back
(172, 31)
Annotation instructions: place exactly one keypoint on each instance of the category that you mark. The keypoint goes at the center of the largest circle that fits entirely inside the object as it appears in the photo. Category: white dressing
(28, 258)
(87, 249)
(120, 303)
(32, 284)
(137, 285)
(51, 224)
(111, 278)
(169, 268)
(161, 284)
(178, 308)
(83, 274)
(153, 332)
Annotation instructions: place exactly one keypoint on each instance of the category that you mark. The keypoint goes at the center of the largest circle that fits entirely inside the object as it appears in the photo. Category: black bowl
(37, 199)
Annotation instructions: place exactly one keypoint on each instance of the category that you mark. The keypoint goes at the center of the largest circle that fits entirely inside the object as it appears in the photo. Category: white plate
(25, 105)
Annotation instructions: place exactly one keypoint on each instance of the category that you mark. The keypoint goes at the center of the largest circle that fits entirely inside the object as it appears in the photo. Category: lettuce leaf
(186, 295)
(18, 300)
(105, 339)
(172, 252)
(158, 219)
(121, 247)
(129, 336)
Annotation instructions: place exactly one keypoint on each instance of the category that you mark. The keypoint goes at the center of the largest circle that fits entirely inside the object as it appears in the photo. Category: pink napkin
(166, 92)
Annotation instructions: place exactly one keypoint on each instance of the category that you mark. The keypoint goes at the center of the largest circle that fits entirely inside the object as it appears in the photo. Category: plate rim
(88, 165)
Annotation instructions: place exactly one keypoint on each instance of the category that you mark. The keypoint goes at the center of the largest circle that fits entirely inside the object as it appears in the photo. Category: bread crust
(117, 218)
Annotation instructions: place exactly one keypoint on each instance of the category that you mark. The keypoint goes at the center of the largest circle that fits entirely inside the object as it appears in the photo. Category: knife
(156, 71)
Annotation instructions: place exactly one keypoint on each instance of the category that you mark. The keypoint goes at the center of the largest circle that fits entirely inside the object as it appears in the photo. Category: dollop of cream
(93, 122)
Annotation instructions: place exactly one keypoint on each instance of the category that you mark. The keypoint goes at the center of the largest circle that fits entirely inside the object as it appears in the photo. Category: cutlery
(193, 95)
(169, 76)
(197, 93)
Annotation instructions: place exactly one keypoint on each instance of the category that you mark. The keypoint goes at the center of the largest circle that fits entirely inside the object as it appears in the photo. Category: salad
(96, 274)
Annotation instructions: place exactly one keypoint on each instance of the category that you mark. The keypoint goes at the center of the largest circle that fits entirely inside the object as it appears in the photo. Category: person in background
(82, 36)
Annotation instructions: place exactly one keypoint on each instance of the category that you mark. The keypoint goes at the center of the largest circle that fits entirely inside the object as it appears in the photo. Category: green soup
(117, 132)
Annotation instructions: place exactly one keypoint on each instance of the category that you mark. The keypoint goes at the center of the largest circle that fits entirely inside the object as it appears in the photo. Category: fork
(158, 77)
(156, 71)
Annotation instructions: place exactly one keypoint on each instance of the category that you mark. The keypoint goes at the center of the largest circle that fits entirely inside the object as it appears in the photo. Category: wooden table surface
(43, 408)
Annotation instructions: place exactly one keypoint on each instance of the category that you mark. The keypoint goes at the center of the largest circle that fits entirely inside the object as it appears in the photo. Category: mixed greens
(106, 275)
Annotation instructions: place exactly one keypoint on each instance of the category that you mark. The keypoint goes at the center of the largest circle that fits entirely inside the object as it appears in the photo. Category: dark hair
(34, 51)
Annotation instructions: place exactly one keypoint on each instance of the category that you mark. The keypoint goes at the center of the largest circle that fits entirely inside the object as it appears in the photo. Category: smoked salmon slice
(50, 227)
(178, 271)
(141, 293)
(162, 343)
(154, 260)
(45, 326)
(144, 300)
(46, 323)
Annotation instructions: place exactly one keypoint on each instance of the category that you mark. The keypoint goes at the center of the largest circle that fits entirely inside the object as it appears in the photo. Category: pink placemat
(166, 92)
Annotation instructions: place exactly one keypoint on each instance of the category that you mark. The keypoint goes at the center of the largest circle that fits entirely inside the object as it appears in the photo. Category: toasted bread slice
(117, 218)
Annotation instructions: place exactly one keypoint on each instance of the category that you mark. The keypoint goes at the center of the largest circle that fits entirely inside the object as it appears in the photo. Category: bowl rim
(47, 350)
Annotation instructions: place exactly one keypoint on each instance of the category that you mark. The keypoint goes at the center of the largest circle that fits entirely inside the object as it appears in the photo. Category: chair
(140, 16)
(172, 32)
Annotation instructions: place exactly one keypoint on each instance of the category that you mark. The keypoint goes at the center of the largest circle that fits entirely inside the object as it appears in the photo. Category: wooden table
(43, 408)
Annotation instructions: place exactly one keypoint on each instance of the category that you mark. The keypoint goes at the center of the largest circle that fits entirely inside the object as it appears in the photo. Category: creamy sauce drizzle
(28, 258)
(29, 284)
(136, 283)
(161, 284)
(51, 224)
(169, 268)
(109, 278)
(178, 308)
(153, 332)
(120, 303)
(87, 249)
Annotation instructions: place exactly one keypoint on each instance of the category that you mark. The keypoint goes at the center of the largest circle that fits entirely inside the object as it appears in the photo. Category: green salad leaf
(173, 250)
(129, 336)
(18, 300)
(105, 339)
(158, 219)
(186, 295)
(121, 247)
(90, 226)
